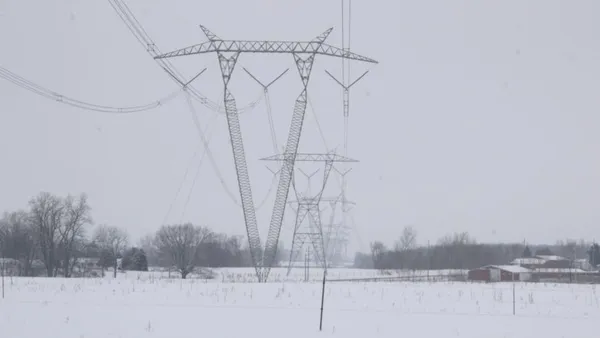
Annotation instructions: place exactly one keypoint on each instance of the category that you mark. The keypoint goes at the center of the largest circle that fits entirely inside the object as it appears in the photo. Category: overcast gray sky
(481, 116)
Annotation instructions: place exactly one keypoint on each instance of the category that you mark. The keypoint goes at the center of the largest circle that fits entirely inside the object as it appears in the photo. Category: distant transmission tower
(304, 54)
(308, 228)
(340, 231)
(336, 233)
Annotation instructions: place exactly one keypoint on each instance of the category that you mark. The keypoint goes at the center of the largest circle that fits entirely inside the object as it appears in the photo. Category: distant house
(529, 262)
(85, 267)
(556, 274)
(9, 267)
(543, 262)
(13, 267)
(500, 273)
(538, 268)
(555, 262)
(583, 264)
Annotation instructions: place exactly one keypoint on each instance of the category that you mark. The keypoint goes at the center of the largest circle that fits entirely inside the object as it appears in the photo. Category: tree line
(461, 251)
(57, 232)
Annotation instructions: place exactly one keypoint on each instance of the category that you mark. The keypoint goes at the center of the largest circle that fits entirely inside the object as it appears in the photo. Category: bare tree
(408, 240)
(111, 240)
(18, 238)
(45, 216)
(76, 215)
(378, 250)
(457, 239)
(180, 244)
(148, 244)
(404, 248)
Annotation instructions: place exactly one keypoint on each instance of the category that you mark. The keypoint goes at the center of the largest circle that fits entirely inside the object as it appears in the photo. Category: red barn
(500, 273)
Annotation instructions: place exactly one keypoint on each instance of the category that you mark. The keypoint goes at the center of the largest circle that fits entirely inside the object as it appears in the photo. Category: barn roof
(552, 258)
(509, 268)
(529, 261)
(557, 270)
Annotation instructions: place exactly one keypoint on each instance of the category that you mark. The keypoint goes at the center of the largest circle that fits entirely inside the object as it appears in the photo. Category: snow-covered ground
(146, 306)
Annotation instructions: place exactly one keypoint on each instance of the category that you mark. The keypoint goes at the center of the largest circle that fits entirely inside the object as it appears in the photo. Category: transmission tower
(308, 227)
(340, 232)
(304, 54)
(336, 233)
(338, 243)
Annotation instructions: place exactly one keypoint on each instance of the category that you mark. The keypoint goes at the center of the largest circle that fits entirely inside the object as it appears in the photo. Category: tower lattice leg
(239, 156)
(316, 235)
(285, 177)
(298, 239)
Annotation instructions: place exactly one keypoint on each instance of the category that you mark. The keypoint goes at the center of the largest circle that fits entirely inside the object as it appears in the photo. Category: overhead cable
(213, 162)
(208, 152)
(148, 44)
(202, 157)
(52, 95)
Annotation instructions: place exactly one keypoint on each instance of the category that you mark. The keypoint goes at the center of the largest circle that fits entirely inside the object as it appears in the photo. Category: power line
(164, 222)
(188, 169)
(52, 95)
(189, 196)
(349, 33)
(321, 133)
(148, 44)
(208, 152)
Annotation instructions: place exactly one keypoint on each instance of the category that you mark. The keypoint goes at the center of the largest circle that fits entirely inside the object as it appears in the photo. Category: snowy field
(146, 305)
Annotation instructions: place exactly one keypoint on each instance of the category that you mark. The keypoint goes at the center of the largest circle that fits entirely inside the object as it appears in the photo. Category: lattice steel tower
(338, 236)
(228, 53)
(335, 232)
(307, 205)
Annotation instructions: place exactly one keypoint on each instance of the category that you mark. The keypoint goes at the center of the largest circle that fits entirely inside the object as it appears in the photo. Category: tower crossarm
(336, 200)
(270, 47)
(305, 201)
(308, 157)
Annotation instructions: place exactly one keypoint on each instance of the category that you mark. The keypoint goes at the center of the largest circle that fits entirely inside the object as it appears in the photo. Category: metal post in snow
(575, 261)
(322, 300)
(308, 265)
(2, 276)
(429, 261)
(514, 298)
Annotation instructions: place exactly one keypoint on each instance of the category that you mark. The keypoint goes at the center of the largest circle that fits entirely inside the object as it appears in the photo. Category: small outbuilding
(583, 264)
(555, 262)
(500, 273)
(529, 262)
